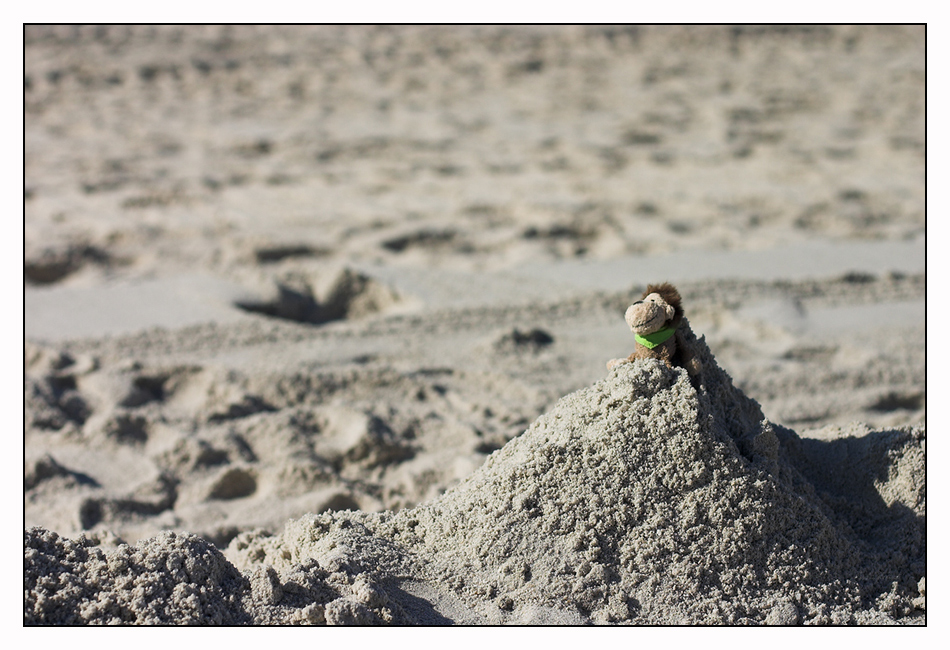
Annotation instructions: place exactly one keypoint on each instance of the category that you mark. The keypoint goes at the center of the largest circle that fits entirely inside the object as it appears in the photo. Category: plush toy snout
(647, 316)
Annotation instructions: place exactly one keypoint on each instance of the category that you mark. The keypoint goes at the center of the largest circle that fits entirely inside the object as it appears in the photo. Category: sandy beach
(317, 322)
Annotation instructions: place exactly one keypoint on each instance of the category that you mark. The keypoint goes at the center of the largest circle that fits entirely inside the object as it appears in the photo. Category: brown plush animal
(654, 321)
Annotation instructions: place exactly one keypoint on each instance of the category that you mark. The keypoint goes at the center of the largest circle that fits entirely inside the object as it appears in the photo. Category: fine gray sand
(317, 322)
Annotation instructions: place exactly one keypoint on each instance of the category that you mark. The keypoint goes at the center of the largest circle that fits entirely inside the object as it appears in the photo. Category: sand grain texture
(317, 317)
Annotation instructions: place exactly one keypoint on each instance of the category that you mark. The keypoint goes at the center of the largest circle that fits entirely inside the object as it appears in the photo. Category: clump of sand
(170, 578)
(640, 499)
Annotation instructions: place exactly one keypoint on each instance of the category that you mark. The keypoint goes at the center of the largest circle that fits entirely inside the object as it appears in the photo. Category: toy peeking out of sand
(657, 324)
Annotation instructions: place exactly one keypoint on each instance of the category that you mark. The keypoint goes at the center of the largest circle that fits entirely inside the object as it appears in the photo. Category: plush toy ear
(670, 311)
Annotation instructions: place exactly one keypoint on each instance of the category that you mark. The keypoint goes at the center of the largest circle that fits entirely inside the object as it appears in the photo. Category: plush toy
(655, 321)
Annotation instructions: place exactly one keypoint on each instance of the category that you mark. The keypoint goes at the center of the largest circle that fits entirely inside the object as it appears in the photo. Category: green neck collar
(655, 339)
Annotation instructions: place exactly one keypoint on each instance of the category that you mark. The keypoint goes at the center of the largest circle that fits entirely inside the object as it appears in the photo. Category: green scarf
(655, 339)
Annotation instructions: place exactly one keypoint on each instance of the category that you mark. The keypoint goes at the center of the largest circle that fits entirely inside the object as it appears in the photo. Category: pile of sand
(640, 499)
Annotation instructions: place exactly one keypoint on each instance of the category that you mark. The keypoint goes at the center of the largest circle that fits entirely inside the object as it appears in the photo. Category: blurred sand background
(272, 271)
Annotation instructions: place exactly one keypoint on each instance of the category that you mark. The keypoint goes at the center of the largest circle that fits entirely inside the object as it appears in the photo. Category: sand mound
(640, 499)
(348, 295)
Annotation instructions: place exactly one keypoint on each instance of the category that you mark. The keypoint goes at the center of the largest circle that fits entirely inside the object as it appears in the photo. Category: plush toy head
(658, 310)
